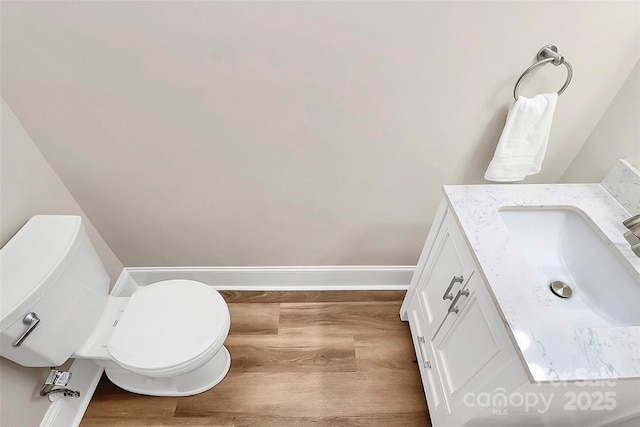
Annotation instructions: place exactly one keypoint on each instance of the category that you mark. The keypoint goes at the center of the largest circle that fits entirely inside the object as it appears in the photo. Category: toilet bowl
(166, 339)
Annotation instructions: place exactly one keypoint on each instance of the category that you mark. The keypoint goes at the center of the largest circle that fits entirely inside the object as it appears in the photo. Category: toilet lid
(168, 324)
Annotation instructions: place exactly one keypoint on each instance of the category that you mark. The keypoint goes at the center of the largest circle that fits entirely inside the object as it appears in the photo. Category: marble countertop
(551, 348)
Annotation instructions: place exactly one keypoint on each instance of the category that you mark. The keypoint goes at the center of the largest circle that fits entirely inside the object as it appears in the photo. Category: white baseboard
(281, 278)
(68, 412)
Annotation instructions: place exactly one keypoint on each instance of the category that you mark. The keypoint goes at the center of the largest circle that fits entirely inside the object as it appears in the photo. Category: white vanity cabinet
(460, 341)
(471, 372)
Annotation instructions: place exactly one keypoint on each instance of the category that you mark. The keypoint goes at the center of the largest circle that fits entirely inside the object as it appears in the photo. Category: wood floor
(298, 358)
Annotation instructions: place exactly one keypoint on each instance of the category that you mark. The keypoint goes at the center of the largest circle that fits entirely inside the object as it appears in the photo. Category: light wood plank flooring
(298, 358)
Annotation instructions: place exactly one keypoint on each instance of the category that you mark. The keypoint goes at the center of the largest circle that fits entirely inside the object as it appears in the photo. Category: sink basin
(561, 245)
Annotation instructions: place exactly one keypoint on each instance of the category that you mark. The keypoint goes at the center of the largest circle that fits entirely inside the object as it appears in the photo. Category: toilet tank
(50, 268)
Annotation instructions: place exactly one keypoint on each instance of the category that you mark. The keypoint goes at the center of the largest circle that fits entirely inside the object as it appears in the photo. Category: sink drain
(560, 289)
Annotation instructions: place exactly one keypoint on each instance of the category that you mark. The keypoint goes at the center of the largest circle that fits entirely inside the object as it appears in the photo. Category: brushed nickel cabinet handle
(425, 362)
(454, 280)
(461, 293)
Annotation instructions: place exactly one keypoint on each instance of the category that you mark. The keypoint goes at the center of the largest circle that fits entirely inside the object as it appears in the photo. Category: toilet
(166, 339)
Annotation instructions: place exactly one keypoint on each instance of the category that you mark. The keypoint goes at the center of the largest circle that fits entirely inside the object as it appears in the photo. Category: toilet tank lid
(32, 261)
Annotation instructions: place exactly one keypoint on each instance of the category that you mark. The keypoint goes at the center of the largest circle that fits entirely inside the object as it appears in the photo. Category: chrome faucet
(633, 235)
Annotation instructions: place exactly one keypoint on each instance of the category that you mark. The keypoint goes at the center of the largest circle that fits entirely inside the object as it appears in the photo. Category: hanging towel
(523, 142)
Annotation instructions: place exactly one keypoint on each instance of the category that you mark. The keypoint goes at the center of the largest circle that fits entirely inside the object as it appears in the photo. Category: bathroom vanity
(494, 344)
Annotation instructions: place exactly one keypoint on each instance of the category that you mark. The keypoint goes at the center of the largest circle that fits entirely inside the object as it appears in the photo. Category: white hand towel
(523, 142)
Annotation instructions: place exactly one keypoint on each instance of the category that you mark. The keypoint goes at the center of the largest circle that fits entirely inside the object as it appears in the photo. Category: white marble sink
(562, 244)
(555, 343)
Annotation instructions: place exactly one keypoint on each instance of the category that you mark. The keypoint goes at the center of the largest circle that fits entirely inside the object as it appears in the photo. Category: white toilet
(165, 340)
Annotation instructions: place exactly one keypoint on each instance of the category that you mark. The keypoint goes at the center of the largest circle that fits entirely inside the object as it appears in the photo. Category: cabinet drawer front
(425, 359)
(448, 269)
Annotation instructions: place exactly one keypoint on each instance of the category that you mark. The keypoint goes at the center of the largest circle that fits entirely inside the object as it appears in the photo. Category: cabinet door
(471, 347)
(431, 382)
(447, 270)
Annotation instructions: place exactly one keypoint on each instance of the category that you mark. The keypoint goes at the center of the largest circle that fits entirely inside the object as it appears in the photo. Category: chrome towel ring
(548, 54)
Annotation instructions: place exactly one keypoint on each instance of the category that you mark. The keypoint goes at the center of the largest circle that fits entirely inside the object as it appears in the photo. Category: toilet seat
(170, 327)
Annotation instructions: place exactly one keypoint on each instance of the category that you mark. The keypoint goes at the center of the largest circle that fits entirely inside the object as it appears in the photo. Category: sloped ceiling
(292, 133)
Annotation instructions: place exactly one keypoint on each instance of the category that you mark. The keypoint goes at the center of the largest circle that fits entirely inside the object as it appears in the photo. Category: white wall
(616, 136)
(29, 186)
(293, 133)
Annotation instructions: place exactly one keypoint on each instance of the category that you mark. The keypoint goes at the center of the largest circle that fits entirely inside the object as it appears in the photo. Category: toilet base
(197, 381)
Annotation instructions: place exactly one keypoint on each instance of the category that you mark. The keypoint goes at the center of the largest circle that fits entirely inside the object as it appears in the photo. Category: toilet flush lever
(31, 320)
